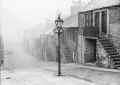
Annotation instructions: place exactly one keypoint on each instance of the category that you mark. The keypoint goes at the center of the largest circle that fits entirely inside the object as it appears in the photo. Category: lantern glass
(59, 21)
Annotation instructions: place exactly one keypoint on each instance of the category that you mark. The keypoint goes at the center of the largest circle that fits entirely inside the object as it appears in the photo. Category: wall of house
(71, 21)
(114, 13)
(101, 54)
(81, 20)
(1, 51)
(81, 49)
(69, 41)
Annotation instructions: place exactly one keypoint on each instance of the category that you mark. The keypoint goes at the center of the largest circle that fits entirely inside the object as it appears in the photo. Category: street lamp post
(59, 30)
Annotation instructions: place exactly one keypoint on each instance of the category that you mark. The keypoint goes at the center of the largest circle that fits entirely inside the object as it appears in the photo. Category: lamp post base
(59, 75)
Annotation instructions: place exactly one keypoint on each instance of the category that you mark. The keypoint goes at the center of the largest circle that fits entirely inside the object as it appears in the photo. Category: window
(91, 19)
(104, 22)
(88, 19)
(97, 21)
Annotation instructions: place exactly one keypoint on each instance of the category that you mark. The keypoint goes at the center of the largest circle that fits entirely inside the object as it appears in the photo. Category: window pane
(86, 20)
(97, 19)
(104, 21)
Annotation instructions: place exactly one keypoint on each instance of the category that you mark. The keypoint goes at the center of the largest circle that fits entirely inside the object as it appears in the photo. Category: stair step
(116, 60)
(105, 41)
(68, 55)
(107, 45)
(115, 56)
(110, 50)
(113, 53)
(69, 52)
(117, 65)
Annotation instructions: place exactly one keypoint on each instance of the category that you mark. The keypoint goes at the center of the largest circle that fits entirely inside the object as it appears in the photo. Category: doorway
(90, 50)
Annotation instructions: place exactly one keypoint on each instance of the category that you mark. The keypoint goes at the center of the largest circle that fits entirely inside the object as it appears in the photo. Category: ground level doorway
(90, 50)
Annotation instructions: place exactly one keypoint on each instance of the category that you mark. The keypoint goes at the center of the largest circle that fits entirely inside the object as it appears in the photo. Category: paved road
(38, 77)
(93, 75)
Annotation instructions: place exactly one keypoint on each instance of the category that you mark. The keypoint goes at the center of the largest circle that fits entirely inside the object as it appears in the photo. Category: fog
(21, 15)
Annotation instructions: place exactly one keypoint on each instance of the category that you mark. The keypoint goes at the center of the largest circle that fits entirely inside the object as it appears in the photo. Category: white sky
(21, 14)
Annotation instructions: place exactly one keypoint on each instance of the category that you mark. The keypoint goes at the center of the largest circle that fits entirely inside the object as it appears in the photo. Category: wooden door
(90, 50)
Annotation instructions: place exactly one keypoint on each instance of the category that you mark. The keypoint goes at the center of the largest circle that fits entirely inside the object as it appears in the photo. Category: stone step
(113, 53)
(111, 50)
(107, 44)
(115, 56)
(69, 53)
(69, 59)
(107, 47)
(117, 65)
(117, 61)
(105, 41)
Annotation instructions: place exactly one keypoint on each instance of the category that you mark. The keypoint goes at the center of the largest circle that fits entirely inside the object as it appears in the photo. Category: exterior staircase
(114, 56)
(68, 55)
(67, 52)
